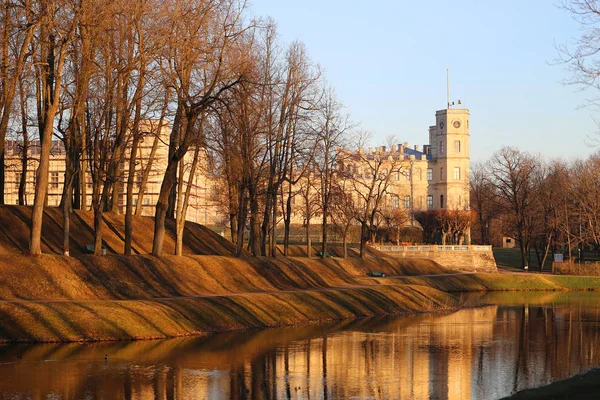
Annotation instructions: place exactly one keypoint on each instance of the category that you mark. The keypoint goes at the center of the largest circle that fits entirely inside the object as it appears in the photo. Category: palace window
(17, 179)
(429, 202)
(457, 146)
(456, 173)
(441, 201)
(441, 147)
(395, 202)
(407, 175)
(407, 202)
(54, 179)
(429, 174)
(441, 173)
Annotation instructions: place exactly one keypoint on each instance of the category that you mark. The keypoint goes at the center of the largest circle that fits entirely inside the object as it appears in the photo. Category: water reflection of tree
(460, 351)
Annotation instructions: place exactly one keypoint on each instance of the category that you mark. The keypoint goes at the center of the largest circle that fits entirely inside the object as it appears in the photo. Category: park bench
(377, 274)
(320, 253)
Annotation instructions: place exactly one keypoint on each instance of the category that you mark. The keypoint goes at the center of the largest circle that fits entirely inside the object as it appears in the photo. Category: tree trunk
(363, 237)
(308, 240)
(267, 216)
(181, 215)
(66, 228)
(41, 189)
(97, 229)
(345, 243)
(52, 85)
(524, 261)
(25, 151)
(242, 215)
(287, 222)
(546, 253)
(130, 182)
(162, 205)
(170, 176)
(148, 168)
(255, 229)
(273, 232)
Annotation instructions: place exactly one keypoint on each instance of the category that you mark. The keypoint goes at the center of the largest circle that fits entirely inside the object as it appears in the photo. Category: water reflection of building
(478, 353)
(398, 363)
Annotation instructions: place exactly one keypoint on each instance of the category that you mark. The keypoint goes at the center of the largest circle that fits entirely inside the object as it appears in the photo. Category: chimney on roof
(394, 148)
(361, 150)
(370, 150)
(416, 147)
(405, 144)
(383, 149)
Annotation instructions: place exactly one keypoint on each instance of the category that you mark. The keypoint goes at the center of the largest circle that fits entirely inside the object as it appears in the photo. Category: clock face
(456, 124)
(442, 124)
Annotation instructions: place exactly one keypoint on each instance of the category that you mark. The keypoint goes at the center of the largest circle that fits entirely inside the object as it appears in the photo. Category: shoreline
(89, 299)
(581, 386)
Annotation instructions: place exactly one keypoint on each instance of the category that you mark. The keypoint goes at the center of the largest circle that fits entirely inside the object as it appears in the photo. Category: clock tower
(450, 159)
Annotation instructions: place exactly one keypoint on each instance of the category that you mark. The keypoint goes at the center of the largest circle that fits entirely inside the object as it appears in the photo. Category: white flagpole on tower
(448, 85)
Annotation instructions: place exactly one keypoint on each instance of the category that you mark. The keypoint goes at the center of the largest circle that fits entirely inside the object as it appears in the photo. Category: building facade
(432, 177)
(203, 206)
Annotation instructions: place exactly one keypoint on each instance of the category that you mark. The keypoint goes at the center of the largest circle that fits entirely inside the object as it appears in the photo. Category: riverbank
(56, 299)
(59, 299)
(581, 387)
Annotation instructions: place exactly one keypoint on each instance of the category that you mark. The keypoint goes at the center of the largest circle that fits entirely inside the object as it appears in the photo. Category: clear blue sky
(387, 61)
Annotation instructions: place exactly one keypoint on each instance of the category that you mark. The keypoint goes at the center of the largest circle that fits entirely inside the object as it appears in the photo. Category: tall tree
(482, 198)
(332, 132)
(512, 175)
(372, 185)
(55, 35)
(20, 22)
(201, 64)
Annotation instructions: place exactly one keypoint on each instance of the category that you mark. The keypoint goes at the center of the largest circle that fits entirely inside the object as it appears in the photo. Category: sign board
(558, 257)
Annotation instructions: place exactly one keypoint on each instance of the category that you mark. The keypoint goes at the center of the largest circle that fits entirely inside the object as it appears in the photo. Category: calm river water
(523, 340)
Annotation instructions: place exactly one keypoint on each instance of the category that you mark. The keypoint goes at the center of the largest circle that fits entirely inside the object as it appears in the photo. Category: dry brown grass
(128, 320)
(14, 233)
(56, 298)
(52, 277)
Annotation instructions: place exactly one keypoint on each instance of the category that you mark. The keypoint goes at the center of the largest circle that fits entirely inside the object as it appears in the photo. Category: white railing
(403, 249)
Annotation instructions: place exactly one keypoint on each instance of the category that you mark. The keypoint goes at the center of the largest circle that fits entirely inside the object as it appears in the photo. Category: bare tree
(201, 64)
(55, 35)
(343, 207)
(482, 201)
(372, 185)
(512, 175)
(331, 135)
(585, 192)
(19, 25)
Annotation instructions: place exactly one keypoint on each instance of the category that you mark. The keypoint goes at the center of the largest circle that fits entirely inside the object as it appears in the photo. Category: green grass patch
(506, 282)
(511, 259)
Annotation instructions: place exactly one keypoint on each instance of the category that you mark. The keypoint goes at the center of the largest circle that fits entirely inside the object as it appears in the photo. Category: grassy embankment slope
(56, 298)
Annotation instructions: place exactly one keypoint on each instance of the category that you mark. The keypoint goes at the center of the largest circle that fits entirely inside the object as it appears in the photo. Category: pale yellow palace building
(435, 176)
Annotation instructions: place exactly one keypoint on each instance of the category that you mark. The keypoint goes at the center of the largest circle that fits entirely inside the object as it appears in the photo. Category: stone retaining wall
(459, 258)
